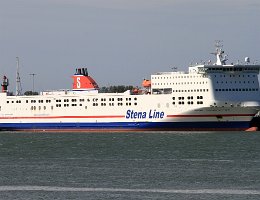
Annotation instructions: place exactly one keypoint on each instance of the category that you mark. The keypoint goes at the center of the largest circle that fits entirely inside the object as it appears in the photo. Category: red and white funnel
(82, 81)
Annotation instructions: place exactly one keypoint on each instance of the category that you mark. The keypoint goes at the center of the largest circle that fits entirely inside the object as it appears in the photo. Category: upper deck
(221, 67)
(209, 77)
(238, 69)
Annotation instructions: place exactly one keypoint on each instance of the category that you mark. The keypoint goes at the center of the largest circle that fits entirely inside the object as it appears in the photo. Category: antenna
(32, 81)
(221, 58)
(219, 44)
(18, 79)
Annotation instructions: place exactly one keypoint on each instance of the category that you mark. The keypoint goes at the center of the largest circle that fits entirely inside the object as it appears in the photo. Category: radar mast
(18, 79)
(221, 57)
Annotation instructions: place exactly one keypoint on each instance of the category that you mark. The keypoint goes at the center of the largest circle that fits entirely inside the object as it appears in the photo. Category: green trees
(115, 89)
(28, 93)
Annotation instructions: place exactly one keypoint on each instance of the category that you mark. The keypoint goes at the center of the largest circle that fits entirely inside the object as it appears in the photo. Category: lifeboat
(146, 83)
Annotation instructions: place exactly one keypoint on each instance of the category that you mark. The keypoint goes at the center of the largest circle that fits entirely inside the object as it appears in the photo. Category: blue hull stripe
(128, 125)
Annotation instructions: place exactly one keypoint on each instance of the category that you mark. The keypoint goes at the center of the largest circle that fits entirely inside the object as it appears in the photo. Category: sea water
(149, 165)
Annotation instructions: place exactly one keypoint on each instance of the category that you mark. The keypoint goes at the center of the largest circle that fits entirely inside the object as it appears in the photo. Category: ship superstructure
(210, 96)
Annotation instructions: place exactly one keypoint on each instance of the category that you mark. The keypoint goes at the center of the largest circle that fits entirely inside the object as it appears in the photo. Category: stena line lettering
(130, 114)
(155, 114)
(152, 114)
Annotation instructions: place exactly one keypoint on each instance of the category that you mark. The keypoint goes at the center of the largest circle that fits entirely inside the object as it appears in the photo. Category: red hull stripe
(220, 115)
(64, 117)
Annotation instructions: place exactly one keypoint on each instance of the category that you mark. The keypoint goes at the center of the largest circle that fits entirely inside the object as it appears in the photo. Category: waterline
(170, 191)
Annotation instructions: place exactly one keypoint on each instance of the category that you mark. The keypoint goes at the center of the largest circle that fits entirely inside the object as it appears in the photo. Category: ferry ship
(210, 96)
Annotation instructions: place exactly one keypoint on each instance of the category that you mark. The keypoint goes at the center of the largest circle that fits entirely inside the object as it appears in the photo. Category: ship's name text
(151, 114)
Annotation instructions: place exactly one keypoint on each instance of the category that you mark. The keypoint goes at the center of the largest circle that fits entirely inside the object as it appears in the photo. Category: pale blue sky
(120, 41)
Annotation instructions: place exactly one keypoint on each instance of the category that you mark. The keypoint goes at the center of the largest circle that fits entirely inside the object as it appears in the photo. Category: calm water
(172, 165)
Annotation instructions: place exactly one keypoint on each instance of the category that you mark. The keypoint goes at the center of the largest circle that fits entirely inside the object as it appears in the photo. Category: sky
(121, 42)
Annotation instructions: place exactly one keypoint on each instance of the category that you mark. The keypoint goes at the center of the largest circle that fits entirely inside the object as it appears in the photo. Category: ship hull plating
(125, 126)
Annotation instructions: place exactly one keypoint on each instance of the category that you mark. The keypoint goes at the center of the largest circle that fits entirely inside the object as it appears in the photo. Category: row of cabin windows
(173, 77)
(67, 105)
(112, 104)
(233, 69)
(234, 76)
(113, 99)
(194, 83)
(34, 107)
(39, 101)
(118, 99)
(197, 90)
(18, 101)
(67, 100)
(57, 105)
(32, 101)
(237, 89)
(74, 105)
(189, 97)
(180, 83)
(236, 82)
(72, 100)
(189, 102)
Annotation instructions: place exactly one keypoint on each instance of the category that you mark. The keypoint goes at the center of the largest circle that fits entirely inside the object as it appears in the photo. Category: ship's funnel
(82, 81)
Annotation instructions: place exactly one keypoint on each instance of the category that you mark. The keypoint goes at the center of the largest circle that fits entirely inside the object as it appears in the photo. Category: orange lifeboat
(146, 83)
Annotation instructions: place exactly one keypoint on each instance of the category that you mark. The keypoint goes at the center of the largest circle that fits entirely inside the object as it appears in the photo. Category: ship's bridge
(203, 69)
(221, 65)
